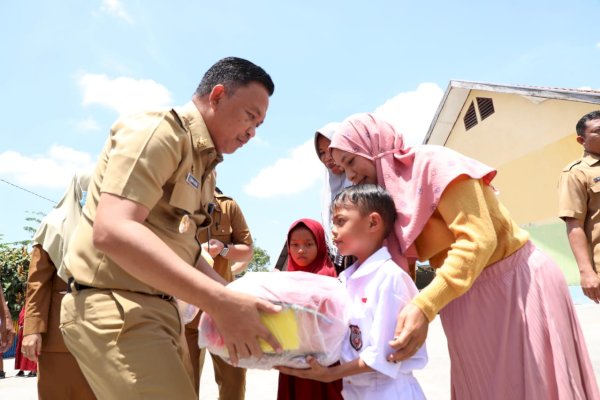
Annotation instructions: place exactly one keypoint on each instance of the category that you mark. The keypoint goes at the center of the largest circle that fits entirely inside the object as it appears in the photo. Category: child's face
(302, 246)
(358, 169)
(325, 155)
(350, 230)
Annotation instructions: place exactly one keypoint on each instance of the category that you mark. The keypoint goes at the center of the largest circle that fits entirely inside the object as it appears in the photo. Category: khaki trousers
(231, 380)
(59, 378)
(127, 344)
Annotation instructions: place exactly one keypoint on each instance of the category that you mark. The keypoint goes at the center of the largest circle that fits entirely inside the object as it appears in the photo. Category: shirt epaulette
(571, 165)
(223, 196)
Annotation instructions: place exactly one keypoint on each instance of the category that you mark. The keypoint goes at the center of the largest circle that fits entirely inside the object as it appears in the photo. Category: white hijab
(56, 227)
(333, 185)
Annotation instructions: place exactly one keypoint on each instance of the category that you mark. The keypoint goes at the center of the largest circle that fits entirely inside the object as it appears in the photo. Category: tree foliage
(260, 261)
(14, 266)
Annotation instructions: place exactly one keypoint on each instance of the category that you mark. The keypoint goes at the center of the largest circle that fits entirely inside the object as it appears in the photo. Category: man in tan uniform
(229, 243)
(579, 204)
(136, 246)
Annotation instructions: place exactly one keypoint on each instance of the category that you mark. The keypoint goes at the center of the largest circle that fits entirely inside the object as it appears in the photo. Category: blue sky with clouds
(70, 68)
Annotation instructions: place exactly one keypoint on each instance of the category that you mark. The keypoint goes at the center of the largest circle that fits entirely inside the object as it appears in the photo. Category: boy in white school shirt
(363, 215)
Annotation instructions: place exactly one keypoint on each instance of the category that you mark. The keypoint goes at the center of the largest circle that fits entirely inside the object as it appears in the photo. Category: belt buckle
(166, 297)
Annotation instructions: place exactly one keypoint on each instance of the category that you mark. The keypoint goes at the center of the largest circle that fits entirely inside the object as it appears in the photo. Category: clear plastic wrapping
(314, 319)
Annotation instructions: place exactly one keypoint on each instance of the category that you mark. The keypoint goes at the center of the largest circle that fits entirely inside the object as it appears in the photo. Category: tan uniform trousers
(231, 380)
(128, 345)
(59, 378)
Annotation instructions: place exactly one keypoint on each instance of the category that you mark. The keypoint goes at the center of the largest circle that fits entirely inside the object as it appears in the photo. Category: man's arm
(237, 251)
(119, 233)
(590, 282)
(239, 267)
(37, 301)
(7, 330)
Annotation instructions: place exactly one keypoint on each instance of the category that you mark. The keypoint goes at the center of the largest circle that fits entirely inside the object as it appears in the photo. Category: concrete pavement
(262, 385)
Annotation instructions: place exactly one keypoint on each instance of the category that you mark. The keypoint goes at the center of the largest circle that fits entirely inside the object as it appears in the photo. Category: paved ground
(262, 385)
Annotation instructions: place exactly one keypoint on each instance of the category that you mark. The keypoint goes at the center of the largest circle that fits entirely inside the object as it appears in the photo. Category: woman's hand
(32, 346)
(410, 333)
(315, 371)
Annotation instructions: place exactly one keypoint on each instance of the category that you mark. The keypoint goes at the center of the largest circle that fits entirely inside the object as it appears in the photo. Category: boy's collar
(371, 264)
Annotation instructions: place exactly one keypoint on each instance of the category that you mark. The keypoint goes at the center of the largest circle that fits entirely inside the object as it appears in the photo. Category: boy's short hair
(368, 198)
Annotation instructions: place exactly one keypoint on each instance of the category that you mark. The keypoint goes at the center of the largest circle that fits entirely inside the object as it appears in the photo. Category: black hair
(368, 198)
(233, 72)
(580, 127)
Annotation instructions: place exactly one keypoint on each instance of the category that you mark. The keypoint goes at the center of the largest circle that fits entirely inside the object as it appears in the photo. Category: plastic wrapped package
(189, 311)
(313, 321)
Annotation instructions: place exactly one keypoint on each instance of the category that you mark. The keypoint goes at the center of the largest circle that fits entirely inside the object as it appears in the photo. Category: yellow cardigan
(469, 231)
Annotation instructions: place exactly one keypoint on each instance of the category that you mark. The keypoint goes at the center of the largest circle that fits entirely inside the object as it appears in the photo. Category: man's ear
(580, 139)
(216, 94)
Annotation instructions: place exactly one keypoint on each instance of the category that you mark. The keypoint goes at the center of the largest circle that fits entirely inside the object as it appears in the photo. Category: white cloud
(122, 94)
(116, 9)
(87, 125)
(598, 45)
(411, 113)
(289, 175)
(52, 170)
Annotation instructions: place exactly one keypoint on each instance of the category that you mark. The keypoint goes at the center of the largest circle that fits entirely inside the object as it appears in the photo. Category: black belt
(72, 283)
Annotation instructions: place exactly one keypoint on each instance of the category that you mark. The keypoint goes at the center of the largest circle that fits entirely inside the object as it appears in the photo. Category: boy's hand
(315, 371)
(410, 333)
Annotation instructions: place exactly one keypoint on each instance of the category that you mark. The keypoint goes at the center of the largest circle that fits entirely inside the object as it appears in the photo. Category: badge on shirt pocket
(355, 337)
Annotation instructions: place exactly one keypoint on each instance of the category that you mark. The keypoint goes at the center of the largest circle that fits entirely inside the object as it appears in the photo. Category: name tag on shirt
(191, 179)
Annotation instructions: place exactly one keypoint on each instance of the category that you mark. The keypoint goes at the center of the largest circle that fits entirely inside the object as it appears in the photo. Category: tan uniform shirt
(160, 160)
(228, 226)
(579, 198)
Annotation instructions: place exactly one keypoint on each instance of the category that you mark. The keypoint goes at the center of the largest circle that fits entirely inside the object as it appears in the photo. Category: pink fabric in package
(313, 321)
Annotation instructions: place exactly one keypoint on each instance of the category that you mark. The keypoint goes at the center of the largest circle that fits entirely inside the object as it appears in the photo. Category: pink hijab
(322, 264)
(415, 176)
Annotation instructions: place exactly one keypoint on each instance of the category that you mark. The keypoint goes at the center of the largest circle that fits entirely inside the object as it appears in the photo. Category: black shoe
(20, 373)
(32, 374)
(2, 374)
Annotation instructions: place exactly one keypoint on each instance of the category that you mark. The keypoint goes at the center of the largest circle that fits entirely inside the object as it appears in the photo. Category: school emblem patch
(355, 337)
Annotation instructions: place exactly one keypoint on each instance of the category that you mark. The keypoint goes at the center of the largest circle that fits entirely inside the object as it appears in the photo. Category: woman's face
(302, 246)
(325, 155)
(358, 169)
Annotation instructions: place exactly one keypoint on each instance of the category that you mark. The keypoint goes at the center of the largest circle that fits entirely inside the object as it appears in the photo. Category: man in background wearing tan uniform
(136, 246)
(579, 204)
(229, 243)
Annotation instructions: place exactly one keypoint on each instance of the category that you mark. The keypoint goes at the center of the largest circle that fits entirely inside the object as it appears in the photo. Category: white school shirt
(378, 289)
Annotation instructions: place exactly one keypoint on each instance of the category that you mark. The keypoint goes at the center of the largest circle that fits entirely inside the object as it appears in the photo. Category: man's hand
(410, 333)
(213, 247)
(590, 283)
(7, 335)
(32, 346)
(237, 320)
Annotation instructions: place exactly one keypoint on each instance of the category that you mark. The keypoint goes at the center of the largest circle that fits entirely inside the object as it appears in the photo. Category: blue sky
(70, 68)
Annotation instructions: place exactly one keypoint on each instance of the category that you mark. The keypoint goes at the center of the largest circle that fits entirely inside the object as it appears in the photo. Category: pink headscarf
(415, 176)
(322, 264)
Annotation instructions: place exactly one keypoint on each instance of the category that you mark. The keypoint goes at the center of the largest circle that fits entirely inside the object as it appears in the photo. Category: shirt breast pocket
(595, 188)
(187, 200)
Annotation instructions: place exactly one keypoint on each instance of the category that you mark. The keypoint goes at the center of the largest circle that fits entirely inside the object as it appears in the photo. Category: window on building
(470, 118)
(485, 107)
